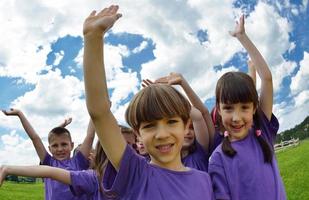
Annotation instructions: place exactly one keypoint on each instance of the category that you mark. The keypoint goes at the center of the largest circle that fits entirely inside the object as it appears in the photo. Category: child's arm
(200, 128)
(266, 96)
(178, 79)
(252, 71)
(40, 171)
(86, 146)
(66, 122)
(98, 104)
(35, 138)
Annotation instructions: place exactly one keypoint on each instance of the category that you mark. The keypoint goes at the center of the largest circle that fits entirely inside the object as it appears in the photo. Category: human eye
(172, 121)
(147, 125)
(246, 106)
(227, 107)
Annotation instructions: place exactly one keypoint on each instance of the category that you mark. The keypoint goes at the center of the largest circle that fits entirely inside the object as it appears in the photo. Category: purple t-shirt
(55, 190)
(86, 183)
(197, 159)
(246, 175)
(217, 139)
(139, 180)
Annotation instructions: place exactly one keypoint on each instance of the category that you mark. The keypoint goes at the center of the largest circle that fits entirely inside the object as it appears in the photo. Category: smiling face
(237, 119)
(60, 146)
(236, 101)
(159, 114)
(163, 140)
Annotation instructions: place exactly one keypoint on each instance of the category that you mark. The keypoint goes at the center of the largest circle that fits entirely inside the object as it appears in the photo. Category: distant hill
(300, 131)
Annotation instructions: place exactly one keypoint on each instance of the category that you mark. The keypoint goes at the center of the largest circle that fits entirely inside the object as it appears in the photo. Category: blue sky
(42, 46)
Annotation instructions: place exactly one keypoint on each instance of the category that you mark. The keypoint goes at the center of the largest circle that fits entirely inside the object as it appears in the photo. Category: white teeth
(164, 148)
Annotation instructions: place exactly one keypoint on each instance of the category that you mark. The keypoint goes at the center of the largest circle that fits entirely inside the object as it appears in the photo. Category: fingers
(146, 82)
(163, 80)
(92, 13)
(242, 19)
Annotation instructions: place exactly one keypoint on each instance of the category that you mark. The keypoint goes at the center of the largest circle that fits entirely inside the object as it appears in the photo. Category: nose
(236, 116)
(162, 132)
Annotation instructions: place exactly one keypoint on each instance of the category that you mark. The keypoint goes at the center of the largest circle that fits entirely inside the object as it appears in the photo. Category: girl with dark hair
(244, 165)
(216, 118)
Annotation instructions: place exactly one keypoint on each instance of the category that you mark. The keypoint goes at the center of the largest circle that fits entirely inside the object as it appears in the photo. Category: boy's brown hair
(156, 102)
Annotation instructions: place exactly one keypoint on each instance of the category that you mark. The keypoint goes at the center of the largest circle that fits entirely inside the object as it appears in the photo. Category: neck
(175, 165)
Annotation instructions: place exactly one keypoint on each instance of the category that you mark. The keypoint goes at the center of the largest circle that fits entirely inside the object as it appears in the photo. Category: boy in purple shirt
(158, 113)
(60, 146)
(197, 141)
(244, 166)
(86, 184)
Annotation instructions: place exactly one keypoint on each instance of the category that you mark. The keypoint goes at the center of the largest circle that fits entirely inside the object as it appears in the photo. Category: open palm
(239, 28)
(102, 21)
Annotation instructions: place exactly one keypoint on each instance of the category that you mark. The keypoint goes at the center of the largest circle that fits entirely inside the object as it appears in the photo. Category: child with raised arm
(244, 165)
(196, 148)
(160, 115)
(60, 147)
(216, 118)
(87, 184)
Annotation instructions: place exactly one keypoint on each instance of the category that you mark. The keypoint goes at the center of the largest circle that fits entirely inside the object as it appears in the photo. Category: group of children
(181, 150)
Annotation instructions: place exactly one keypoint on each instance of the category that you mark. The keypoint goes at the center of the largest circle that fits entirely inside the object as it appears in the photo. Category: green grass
(293, 164)
(22, 191)
(294, 169)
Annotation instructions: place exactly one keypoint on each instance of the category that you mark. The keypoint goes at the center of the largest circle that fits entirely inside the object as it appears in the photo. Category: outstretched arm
(66, 122)
(40, 171)
(86, 146)
(35, 138)
(98, 104)
(252, 71)
(266, 96)
(178, 79)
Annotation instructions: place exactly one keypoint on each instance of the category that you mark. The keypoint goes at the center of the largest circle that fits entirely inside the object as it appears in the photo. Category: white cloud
(300, 81)
(140, 48)
(291, 114)
(59, 57)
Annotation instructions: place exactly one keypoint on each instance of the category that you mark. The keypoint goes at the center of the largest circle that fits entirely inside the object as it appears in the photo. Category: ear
(254, 110)
(72, 146)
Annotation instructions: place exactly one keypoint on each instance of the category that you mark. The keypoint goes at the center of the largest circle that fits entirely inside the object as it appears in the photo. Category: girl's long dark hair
(235, 87)
(100, 162)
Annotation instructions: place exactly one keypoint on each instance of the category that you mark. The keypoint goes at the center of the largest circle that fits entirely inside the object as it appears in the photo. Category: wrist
(241, 36)
(94, 35)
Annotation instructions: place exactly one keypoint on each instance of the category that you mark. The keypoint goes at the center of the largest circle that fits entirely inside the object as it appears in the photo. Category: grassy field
(22, 191)
(294, 169)
(293, 164)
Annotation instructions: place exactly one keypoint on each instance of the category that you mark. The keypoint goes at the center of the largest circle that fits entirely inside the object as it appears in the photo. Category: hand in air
(172, 79)
(239, 28)
(12, 111)
(102, 21)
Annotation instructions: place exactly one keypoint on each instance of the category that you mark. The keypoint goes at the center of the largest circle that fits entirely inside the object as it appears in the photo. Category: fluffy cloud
(300, 81)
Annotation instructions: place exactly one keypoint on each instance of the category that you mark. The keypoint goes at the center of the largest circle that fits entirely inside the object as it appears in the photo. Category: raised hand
(12, 111)
(66, 122)
(146, 83)
(172, 79)
(102, 21)
(239, 28)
